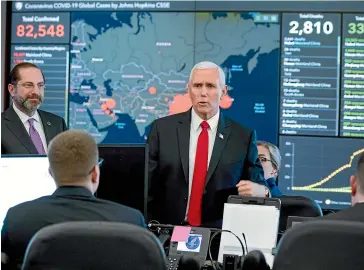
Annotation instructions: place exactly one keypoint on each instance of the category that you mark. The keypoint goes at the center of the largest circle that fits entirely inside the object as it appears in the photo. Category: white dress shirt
(194, 134)
(37, 124)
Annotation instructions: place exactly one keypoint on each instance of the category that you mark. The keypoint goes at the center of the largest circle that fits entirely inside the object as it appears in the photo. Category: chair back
(322, 244)
(94, 245)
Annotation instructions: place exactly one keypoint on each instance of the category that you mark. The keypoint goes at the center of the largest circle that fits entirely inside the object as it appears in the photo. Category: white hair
(209, 65)
(274, 153)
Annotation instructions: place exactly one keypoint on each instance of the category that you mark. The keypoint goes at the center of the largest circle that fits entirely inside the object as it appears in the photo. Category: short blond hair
(72, 155)
(274, 153)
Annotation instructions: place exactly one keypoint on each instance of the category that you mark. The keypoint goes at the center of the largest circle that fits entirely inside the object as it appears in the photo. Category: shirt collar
(72, 191)
(196, 121)
(23, 117)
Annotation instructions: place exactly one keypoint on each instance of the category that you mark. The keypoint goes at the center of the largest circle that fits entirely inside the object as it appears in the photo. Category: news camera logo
(18, 5)
(193, 242)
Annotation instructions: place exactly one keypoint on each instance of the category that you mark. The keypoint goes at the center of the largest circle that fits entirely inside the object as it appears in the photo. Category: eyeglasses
(31, 86)
(264, 159)
(99, 163)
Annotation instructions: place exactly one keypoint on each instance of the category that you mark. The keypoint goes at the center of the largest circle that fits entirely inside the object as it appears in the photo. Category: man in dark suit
(73, 163)
(198, 158)
(356, 212)
(24, 128)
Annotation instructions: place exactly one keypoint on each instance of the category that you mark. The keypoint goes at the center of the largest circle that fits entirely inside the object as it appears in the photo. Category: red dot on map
(103, 106)
(152, 90)
(111, 103)
(181, 103)
(226, 102)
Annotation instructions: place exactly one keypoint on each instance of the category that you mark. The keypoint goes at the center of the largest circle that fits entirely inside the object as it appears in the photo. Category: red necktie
(199, 177)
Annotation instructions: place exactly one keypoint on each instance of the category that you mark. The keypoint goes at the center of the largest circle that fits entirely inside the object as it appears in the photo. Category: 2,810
(310, 28)
(42, 31)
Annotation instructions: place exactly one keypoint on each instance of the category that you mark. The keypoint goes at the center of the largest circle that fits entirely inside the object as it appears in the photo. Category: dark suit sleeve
(252, 169)
(5, 242)
(153, 169)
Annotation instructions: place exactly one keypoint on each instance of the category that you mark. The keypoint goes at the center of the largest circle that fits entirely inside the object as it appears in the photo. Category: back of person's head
(73, 159)
(274, 155)
(357, 181)
(360, 170)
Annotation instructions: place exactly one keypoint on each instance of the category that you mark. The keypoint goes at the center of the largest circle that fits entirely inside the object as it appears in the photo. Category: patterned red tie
(199, 177)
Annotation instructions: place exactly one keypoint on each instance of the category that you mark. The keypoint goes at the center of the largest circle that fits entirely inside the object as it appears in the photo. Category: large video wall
(296, 77)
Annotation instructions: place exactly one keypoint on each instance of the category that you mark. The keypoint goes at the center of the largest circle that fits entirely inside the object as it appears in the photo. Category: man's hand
(249, 188)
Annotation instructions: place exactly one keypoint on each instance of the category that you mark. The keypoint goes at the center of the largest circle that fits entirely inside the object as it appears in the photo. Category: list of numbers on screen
(322, 75)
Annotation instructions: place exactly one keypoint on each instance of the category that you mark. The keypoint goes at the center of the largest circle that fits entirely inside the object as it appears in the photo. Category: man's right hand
(249, 188)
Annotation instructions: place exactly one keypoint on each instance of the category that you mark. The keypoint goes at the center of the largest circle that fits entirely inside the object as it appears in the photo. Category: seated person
(73, 163)
(270, 158)
(356, 212)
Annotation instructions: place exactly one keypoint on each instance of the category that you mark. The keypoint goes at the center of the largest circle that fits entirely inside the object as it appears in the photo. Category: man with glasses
(74, 164)
(24, 128)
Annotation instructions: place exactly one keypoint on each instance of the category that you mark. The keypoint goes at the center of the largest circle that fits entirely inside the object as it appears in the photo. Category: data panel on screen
(319, 168)
(352, 82)
(17, 184)
(310, 71)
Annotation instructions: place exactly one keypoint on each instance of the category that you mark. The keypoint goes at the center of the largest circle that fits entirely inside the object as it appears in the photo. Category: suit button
(185, 198)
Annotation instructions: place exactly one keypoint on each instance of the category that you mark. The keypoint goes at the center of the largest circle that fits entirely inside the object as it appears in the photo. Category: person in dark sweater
(74, 164)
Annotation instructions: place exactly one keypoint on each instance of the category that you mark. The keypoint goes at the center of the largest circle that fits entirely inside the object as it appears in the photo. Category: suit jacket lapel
(15, 125)
(47, 126)
(183, 134)
(222, 134)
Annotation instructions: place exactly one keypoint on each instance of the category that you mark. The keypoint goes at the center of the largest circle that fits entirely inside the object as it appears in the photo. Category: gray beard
(26, 105)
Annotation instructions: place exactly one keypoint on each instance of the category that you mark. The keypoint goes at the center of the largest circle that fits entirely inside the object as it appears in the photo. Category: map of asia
(130, 68)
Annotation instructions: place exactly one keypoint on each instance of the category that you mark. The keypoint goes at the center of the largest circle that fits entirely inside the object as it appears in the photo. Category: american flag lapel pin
(221, 136)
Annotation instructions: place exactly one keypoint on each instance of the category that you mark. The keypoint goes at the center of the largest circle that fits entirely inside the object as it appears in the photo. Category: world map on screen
(130, 68)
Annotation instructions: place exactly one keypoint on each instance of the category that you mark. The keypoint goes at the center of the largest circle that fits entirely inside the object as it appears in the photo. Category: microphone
(255, 259)
(188, 263)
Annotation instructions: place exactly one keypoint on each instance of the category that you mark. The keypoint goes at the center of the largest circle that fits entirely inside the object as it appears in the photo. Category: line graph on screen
(316, 186)
(316, 167)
